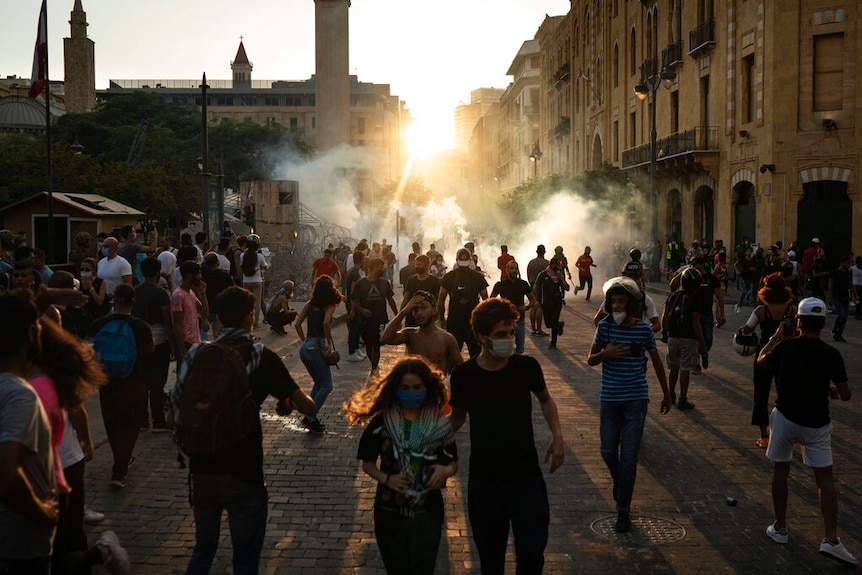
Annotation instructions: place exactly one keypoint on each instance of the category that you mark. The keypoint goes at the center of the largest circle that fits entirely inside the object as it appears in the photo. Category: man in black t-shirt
(153, 305)
(804, 368)
(464, 287)
(352, 276)
(123, 401)
(505, 484)
(232, 479)
(840, 281)
(514, 289)
(217, 280)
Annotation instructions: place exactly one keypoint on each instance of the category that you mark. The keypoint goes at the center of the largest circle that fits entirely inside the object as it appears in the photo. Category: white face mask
(619, 317)
(86, 274)
(501, 348)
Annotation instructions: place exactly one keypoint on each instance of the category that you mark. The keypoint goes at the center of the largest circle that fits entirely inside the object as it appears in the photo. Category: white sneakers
(92, 516)
(837, 551)
(777, 535)
(114, 557)
(354, 357)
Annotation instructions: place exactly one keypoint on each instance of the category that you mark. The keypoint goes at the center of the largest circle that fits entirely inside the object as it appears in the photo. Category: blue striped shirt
(624, 379)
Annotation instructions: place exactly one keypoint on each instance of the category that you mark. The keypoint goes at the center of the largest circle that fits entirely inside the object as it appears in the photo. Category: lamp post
(535, 156)
(647, 87)
(203, 162)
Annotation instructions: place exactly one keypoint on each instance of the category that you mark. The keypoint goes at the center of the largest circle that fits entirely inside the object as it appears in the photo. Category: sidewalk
(320, 519)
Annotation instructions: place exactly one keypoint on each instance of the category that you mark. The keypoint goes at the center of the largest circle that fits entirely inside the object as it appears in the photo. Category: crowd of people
(117, 321)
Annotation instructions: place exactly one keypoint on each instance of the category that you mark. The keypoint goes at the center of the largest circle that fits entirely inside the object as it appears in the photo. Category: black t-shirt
(217, 281)
(549, 291)
(430, 284)
(841, 280)
(502, 446)
(463, 286)
(704, 295)
(804, 367)
(376, 443)
(140, 328)
(245, 460)
(149, 299)
(350, 279)
(405, 273)
(514, 291)
(373, 296)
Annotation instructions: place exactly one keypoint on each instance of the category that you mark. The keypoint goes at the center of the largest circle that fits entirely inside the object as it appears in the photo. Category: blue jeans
(311, 354)
(842, 308)
(744, 290)
(520, 335)
(621, 428)
(246, 505)
(523, 502)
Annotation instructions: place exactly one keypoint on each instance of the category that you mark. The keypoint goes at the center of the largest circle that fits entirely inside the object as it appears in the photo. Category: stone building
(79, 53)
(756, 131)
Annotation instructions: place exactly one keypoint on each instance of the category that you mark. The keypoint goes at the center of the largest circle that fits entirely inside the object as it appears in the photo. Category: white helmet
(745, 344)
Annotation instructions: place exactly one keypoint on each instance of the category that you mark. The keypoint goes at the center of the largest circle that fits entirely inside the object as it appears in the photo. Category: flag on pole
(39, 76)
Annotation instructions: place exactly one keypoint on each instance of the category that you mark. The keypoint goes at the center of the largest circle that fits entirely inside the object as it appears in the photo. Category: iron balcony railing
(672, 55)
(698, 139)
(701, 37)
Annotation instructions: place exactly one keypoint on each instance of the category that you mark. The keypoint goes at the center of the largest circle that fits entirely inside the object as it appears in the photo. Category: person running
(534, 267)
(805, 366)
(621, 343)
(549, 290)
(464, 288)
(318, 312)
(514, 289)
(505, 486)
(585, 274)
(369, 298)
(414, 442)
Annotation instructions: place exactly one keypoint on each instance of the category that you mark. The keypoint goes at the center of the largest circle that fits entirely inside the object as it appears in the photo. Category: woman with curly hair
(64, 375)
(407, 431)
(777, 308)
(317, 315)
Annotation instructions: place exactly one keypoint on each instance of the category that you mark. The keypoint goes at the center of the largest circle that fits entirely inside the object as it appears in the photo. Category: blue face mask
(411, 399)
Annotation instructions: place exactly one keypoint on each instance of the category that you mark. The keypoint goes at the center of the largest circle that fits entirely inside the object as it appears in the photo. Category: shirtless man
(436, 345)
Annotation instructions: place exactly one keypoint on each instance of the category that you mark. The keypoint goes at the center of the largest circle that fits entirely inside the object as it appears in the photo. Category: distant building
(80, 63)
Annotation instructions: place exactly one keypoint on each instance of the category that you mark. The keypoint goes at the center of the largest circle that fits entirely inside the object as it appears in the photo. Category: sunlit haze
(431, 53)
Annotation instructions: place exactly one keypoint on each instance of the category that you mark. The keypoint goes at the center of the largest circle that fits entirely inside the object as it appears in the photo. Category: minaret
(80, 61)
(332, 75)
(241, 68)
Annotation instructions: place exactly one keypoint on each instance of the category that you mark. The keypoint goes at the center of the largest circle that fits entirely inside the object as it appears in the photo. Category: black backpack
(677, 321)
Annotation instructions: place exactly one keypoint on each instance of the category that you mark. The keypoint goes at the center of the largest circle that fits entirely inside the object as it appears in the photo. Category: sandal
(763, 441)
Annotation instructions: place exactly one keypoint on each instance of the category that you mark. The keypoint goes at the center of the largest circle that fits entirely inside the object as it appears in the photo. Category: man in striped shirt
(621, 344)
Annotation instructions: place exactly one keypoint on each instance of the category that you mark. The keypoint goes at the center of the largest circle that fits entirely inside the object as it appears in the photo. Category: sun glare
(428, 137)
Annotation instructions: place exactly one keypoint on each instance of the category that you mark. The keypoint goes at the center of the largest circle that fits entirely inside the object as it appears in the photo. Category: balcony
(649, 68)
(563, 127)
(701, 37)
(562, 76)
(689, 149)
(671, 57)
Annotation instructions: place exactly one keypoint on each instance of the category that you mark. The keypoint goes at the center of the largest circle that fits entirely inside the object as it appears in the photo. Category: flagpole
(50, 251)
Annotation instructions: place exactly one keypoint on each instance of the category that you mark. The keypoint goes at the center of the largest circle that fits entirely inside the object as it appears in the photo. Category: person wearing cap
(436, 345)
(621, 343)
(464, 288)
(805, 366)
(585, 274)
(113, 269)
(534, 267)
(514, 289)
(840, 284)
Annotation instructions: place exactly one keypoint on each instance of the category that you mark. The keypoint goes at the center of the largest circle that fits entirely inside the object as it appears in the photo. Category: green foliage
(165, 183)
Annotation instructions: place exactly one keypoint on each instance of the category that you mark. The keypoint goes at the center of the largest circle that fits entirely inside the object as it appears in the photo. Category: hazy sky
(432, 53)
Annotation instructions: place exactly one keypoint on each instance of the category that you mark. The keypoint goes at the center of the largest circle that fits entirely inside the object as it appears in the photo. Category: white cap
(463, 259)
(815, 240)
(791, 254)
(811, 307)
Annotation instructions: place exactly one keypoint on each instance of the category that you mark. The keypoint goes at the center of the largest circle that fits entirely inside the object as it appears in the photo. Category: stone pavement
(320, 518)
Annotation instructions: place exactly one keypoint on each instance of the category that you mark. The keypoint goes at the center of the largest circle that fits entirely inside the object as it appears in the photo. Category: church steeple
(241, 68)
(80, 62)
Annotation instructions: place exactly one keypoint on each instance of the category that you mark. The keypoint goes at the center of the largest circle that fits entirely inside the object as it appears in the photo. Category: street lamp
(203, 162)
(535, 156)
(647, 87)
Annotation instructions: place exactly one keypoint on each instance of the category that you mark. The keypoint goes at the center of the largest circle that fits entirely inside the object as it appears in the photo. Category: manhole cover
(645, 530)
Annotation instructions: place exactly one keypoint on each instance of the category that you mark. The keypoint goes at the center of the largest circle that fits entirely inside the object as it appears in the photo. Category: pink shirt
(187, 303)
(47, 393)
